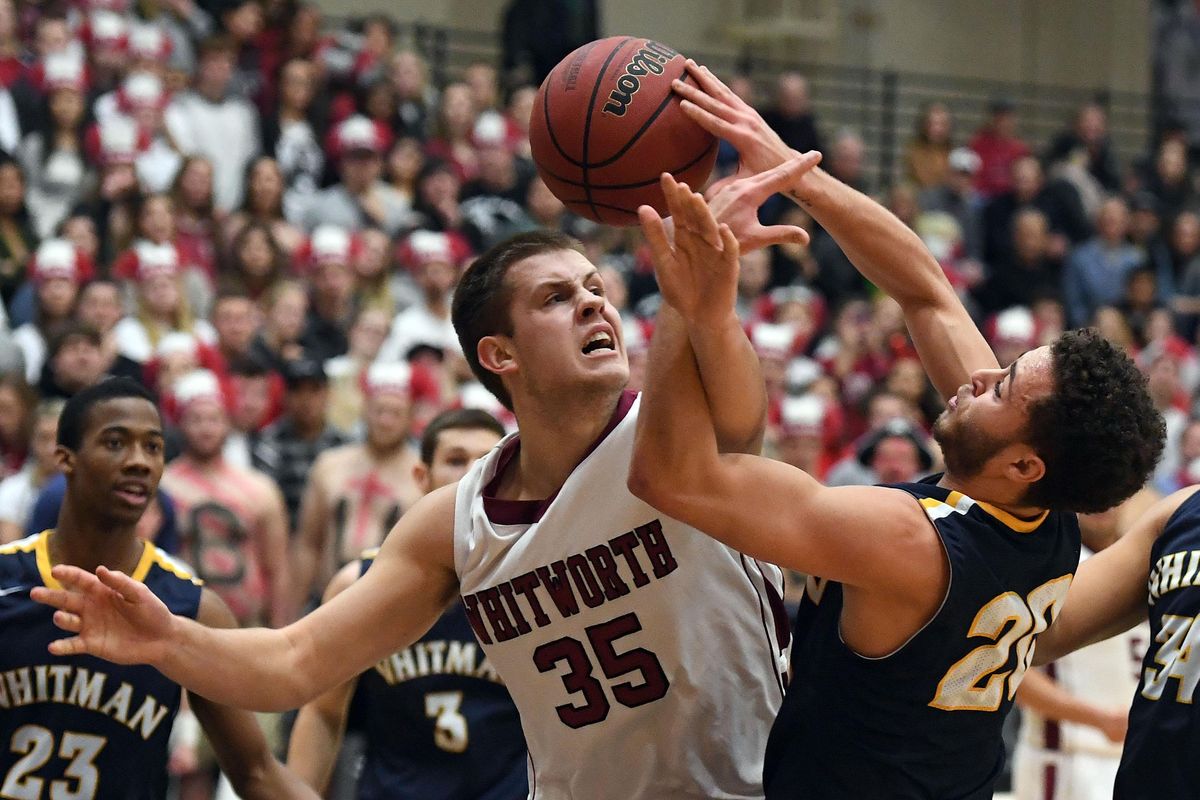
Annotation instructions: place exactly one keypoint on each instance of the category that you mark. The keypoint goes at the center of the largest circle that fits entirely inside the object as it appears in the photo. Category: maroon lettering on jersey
(585, 582)
(662, 560)
(509, 600)
(559, 588)
(493, 608)
(606, 572)
(471, 605)
(624, 545)
(525, 584)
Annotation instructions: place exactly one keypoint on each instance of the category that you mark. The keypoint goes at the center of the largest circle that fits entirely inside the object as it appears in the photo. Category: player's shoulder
(17, 558)
(1172, 507)
(426, 531)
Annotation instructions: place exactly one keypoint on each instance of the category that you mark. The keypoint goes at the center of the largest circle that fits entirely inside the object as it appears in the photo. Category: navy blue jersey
(924, 721)
(1161, 748)
(439, 722)
(78, 726)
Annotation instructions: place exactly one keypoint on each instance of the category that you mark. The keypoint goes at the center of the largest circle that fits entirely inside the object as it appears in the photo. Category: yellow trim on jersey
(24, 545)
(1016, 523)
(42, 546)
(370, 552)
(151, 555)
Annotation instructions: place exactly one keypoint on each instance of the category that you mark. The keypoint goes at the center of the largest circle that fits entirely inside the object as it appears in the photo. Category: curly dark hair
(1098, 432)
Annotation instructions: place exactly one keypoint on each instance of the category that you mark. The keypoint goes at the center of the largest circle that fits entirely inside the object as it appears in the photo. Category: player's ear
(64, 459)
(496, 354)
(421, 476)
(1028, 467)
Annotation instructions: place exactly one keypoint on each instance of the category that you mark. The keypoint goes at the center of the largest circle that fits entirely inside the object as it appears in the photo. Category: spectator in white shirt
(18, 492)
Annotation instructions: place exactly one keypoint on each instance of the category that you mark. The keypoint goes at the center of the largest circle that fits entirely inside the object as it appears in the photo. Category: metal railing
(880, 105)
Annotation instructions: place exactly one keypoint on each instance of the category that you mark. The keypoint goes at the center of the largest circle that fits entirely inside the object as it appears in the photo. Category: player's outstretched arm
(881, 247)
(235, 735)
(410, 583)
(1108, 594)
(863, 536)
(1039, 693)
(321, 723)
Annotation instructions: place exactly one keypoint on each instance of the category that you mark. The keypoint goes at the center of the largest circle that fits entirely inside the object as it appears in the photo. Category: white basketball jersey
(1103, 674)
(644, 657)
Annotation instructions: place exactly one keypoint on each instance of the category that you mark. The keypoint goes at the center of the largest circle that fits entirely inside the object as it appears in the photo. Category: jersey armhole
(937, 612)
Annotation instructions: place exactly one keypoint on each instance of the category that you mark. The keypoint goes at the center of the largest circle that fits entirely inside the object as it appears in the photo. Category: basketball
(606, 125)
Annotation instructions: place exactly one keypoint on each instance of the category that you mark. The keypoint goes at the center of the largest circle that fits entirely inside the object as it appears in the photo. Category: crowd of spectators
(237, 194)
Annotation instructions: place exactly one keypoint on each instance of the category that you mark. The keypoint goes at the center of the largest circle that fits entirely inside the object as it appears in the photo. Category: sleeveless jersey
(217, 521)
(1104, 674)
(644, 656)
(77, 726)
(439, 722)
(925, 720)
(1160, 760)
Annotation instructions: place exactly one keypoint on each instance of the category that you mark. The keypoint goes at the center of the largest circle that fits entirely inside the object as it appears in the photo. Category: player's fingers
(72, 646)
(731, 250)
(57, 598)
(656, 234)
(703, 220)
(781, 177)
(74, 578)
(677, 194)
(119, 582)
(707, 80)
(781, 234)
(715, 188)
(710, 122)
(68, 621)
(694, 94)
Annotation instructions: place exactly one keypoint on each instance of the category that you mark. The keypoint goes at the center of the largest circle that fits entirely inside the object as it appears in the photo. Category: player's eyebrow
(564, 283)
(1012, 374)
(123, 431)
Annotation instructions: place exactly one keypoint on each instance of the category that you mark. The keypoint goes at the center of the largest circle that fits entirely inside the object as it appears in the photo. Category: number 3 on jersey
(959, 689)
(579, 678)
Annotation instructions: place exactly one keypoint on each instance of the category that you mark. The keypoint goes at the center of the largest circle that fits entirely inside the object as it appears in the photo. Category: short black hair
(1098, 431)
(62, 333)
(73, 422)
(481, 299)
(458, 419)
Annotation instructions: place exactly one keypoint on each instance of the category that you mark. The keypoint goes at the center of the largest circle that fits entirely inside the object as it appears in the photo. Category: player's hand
(697, 274)
(736, 203)
(716, 108)
(112, 616)
(1114, 724)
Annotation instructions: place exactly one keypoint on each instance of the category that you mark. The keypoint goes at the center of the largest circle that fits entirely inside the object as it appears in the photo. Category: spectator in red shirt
(997, 146)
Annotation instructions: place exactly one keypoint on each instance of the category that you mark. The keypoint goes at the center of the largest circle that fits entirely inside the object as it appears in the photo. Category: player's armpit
(1108, 594)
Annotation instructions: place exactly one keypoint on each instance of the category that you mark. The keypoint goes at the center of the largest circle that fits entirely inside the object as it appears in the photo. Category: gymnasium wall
(1100, 44)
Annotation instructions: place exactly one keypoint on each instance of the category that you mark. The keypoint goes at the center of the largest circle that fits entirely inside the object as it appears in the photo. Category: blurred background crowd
(262, 214)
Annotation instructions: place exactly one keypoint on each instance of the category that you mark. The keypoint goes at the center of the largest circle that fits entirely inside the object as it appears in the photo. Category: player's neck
(553, 442)
(84, 539)
(995, 492)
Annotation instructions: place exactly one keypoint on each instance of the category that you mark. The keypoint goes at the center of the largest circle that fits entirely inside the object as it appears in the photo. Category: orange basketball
(606, 124)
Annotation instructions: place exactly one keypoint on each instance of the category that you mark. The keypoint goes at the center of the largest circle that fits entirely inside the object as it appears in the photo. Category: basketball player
(646, 659)
(917, 625)
(1075, 711)
(439, 723)
(1154, 566)
(232, 520)
(356, 492)
(75, 726)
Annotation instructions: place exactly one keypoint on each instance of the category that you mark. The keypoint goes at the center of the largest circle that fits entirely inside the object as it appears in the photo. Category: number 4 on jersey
(579, 679)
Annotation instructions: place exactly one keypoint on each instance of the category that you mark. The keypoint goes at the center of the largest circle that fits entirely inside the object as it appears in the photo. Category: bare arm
(235, 735)
(263, 669)
(1108, 594)
(311, 536)
(273, 555)
(863, 536)
(1039, 693)
(321, 723)
(881, 247)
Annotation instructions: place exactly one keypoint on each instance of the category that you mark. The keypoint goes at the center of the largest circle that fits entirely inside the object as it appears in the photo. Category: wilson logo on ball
(649, 60)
